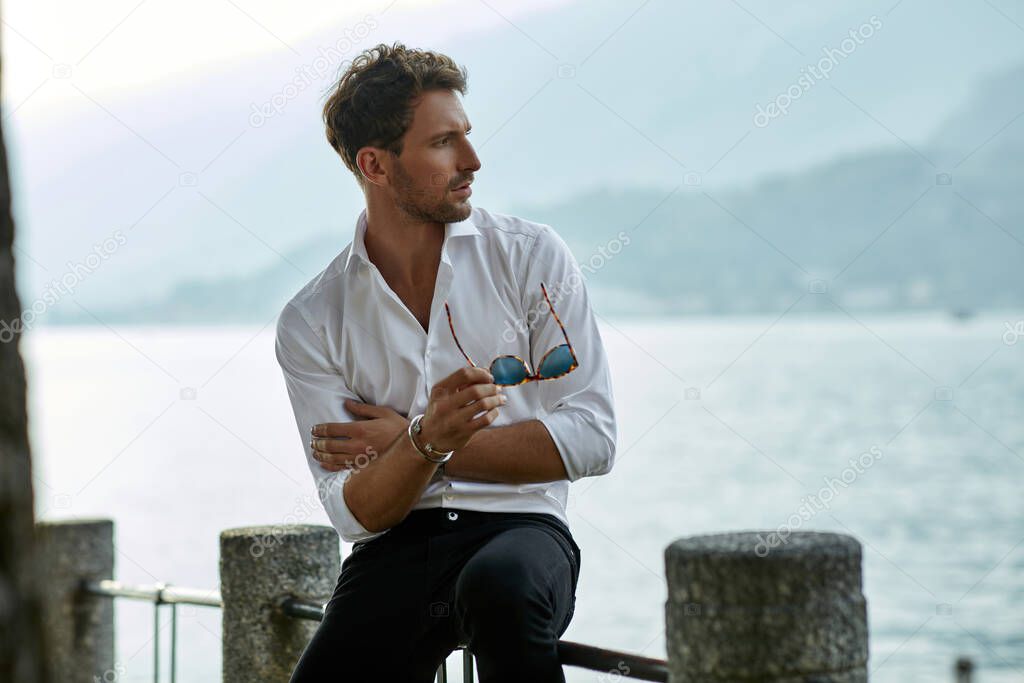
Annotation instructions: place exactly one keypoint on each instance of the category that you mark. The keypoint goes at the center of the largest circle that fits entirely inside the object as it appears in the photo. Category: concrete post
(79, 627)
(752, 606)
(259, 568)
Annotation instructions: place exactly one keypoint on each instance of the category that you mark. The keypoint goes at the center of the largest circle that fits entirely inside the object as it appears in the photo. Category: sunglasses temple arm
(557, 319)
(452, 328)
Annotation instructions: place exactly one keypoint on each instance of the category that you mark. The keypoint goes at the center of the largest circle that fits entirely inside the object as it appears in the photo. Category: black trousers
(502, 582)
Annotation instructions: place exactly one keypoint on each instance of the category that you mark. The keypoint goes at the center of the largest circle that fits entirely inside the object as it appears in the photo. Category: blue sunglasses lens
(558, 362)
(508, 371)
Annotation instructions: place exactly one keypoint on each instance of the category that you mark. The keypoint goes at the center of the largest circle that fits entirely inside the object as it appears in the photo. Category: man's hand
(449, 421)
(447, 424)
(345, 445)
(387, 488)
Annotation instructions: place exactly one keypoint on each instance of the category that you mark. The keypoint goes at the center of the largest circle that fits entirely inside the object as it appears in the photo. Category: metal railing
(625, 664)
(158, 594)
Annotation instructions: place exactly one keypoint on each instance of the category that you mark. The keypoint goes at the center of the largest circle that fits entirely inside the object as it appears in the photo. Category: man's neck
(405, 251)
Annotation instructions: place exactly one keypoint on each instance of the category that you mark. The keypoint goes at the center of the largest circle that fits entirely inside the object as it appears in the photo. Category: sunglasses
(511, 370)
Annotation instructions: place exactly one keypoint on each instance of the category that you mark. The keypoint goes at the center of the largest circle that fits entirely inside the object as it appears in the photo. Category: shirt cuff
(586, 447)
(330, 489)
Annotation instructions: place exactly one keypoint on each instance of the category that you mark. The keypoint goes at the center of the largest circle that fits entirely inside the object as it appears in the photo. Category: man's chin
(458, 211)
(446, 212)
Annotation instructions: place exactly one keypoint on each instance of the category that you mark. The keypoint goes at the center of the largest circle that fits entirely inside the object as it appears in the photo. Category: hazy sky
(164, 39)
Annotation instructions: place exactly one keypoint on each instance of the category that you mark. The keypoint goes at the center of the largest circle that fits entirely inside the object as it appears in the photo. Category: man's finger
(346, 446)
(468, 393)
(467, 374)
(333, 429)
(328, 460)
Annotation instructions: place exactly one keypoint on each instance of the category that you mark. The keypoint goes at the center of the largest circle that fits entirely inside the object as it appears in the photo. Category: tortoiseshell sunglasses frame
(531, 376)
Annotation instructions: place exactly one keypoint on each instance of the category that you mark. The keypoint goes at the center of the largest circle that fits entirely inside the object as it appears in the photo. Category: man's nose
(471, 162)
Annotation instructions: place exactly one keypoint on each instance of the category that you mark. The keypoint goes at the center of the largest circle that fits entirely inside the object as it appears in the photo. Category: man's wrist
(414, 448)
(427, 450)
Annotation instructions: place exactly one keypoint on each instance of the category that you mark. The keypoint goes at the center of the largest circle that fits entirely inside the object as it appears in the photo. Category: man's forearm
(520, 453)
(381, 494)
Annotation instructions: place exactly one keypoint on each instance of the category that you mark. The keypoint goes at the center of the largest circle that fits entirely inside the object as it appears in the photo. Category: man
(459, 529)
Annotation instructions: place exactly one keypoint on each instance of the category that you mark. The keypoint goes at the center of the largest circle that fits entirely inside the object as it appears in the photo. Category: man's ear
(375, 165)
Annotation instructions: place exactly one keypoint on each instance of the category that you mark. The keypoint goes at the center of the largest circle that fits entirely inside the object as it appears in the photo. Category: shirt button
(453, 516)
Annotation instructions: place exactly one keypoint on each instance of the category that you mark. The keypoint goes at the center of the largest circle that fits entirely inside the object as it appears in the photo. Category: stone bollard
(740, 609)
(259, 568)
(79, 627)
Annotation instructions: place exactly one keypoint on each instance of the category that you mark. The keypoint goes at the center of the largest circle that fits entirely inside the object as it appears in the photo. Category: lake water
(724, 424)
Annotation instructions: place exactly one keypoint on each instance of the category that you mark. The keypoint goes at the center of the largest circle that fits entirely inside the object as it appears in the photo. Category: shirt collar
(358, 248)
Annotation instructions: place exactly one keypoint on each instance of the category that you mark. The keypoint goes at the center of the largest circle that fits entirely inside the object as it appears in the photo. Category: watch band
(427, 451)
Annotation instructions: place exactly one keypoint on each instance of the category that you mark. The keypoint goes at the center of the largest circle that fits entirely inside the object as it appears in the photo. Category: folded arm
(520, 453)
(317, 393)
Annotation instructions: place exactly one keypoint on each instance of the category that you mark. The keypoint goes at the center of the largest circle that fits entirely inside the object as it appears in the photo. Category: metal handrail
(625, 664)
(159, 594)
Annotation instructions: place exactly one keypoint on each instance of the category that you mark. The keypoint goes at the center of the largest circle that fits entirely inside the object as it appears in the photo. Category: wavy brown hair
(372, 104)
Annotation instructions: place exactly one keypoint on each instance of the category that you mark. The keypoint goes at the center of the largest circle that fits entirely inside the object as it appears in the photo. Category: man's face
(436, 159)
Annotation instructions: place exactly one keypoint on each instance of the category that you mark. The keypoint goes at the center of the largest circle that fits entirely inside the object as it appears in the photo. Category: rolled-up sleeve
(317, 393)
(579, 410)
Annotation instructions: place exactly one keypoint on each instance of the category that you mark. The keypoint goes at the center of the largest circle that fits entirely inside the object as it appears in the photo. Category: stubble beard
(424, 204)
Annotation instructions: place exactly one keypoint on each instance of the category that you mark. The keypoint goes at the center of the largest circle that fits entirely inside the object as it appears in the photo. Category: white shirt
(346, 334)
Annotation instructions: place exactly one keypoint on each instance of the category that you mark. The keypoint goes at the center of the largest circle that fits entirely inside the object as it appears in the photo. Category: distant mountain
(880, 230)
